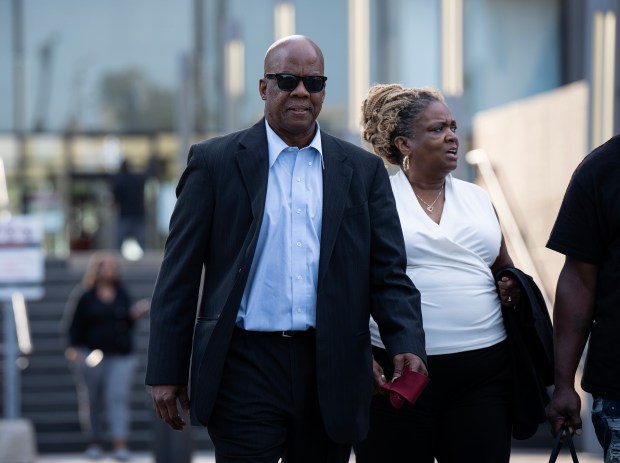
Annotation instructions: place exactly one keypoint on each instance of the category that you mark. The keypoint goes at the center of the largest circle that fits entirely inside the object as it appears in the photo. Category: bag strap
(563, 436)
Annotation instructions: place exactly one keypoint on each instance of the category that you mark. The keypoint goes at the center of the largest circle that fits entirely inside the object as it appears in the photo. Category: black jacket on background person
(530, 337)
(128, 190)
(98, 325)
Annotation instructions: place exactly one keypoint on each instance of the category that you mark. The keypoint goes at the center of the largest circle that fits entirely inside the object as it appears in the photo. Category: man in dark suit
(299, 240)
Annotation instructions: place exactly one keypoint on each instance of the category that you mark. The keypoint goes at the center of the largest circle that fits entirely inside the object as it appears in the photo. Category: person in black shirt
(587, 301)
(101, 319)
(128, 190)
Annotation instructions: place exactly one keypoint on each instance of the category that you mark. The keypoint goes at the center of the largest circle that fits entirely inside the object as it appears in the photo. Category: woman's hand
(509, 291)
(72, 354)
(140, 308)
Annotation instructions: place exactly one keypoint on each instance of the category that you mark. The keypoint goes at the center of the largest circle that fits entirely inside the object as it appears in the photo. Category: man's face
(292, 114)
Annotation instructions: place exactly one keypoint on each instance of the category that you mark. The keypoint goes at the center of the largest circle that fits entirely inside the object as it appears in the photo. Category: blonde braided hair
(389, 111)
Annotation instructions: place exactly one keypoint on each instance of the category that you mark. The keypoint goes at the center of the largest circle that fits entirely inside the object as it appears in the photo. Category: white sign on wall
(21, 257)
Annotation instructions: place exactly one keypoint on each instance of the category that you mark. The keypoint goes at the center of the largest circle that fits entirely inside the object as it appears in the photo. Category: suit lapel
(253, 161)
(336, 181)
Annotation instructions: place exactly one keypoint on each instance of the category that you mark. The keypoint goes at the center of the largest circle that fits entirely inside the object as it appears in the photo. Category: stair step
(48, 391)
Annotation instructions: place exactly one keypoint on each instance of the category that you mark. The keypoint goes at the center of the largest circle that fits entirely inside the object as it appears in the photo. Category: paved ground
(520, 456)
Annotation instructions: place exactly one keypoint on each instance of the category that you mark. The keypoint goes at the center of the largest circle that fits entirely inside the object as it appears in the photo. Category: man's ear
(262, 88)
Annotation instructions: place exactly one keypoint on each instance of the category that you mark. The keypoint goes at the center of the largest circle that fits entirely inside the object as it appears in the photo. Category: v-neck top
(450, 265)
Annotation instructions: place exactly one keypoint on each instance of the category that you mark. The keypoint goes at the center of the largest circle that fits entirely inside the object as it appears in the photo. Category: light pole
(603, 81)
(18, 97)
(234, 67)
(359, 61)
(284, 19)
(200, 116)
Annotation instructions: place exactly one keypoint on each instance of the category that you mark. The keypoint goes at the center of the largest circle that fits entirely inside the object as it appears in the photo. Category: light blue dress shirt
(281, 290)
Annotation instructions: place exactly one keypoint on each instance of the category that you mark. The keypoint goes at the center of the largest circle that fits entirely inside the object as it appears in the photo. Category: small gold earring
(406, 163)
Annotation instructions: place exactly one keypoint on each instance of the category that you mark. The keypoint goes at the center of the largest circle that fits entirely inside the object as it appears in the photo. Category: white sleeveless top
(450, 265)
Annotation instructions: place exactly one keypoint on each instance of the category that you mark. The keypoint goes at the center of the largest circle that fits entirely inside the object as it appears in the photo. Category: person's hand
(72, 355)
(564, 408)
(509, 291)
(165, 399)
(379, 377)
(140, 308)
(410, 361)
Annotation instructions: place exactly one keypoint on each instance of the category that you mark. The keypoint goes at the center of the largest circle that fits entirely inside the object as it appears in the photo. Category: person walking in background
(587, 300)
(128, 191)
(299, 239)
(454, 246)
(100, 322)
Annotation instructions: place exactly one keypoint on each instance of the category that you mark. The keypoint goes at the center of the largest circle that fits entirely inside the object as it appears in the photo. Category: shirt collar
(276, 145)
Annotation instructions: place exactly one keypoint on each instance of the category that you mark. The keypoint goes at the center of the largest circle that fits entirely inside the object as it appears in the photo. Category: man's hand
(379, 377)
(564, 408)
(165, 404)
(410, 361)
(572, 320)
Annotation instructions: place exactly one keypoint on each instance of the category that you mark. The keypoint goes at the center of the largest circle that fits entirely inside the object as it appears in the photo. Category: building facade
(87, 84)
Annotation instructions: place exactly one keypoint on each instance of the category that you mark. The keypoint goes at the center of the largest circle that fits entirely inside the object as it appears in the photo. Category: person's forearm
(572, 319)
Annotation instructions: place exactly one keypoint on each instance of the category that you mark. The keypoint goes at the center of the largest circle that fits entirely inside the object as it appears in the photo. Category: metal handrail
(512, 233)
(22, 328)
(16, 331)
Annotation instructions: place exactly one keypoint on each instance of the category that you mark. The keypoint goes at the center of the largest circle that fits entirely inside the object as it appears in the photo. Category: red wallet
(407, 387)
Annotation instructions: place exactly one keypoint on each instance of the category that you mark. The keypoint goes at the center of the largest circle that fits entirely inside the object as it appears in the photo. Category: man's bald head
(287, 44)
(292, 111)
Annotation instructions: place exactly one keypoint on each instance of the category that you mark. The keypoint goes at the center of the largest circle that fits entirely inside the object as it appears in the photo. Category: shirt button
(310, 163)
(299, 211)
(298, 244)
(299, 277)
(299, 179)
(298, 309)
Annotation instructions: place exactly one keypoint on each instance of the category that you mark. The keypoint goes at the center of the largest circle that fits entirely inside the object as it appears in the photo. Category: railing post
(12, 399)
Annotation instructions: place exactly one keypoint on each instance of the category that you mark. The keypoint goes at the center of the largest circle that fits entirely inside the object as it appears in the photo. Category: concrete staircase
(48, 392)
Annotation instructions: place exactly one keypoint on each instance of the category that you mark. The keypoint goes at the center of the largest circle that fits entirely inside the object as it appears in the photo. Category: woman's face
(108, 270)
(434, 145)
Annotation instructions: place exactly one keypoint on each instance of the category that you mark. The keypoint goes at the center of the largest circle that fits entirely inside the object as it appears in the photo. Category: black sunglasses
(289, 82)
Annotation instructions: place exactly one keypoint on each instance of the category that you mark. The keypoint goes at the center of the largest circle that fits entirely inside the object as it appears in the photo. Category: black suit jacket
(530, 338)
(215, 225)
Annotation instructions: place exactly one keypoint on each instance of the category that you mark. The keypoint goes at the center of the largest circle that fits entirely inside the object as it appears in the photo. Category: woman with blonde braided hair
(454, 246)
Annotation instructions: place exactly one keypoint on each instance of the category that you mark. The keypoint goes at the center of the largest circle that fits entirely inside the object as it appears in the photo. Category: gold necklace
(429, 207)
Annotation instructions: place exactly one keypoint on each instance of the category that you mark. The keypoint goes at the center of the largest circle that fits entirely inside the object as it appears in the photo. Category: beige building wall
(533, 146)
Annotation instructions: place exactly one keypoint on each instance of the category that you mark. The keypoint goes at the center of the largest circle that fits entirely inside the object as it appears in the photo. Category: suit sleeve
(395, 301)
(175, 298)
